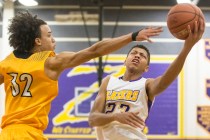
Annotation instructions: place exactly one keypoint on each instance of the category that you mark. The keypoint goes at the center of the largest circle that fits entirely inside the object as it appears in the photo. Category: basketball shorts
(21, 132)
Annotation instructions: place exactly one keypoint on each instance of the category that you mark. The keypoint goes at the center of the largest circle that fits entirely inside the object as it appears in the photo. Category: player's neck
(131, 76)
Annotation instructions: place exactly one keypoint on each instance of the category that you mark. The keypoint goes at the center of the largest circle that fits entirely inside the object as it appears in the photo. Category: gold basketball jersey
(29, 91)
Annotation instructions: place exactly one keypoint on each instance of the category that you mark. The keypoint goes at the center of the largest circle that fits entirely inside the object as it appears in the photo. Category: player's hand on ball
(197, 34)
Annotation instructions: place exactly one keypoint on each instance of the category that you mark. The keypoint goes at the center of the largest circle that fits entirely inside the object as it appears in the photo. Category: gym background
(181, 112)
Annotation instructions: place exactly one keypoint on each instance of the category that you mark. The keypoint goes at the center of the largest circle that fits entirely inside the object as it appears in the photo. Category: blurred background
(181, 112)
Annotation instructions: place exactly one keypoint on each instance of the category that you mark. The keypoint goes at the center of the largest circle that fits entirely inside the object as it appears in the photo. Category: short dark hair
(142, 47)
(23, 30)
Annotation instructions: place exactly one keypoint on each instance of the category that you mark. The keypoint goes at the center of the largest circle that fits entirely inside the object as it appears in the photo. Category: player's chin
(133, 68)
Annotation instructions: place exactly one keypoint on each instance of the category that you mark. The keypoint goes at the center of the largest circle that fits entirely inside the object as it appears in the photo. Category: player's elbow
(94, 120)
(91, 120)
(91, 124)
(96, 52)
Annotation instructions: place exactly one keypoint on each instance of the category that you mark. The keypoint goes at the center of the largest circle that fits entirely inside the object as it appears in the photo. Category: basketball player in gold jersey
(122, 104)
(30, 73)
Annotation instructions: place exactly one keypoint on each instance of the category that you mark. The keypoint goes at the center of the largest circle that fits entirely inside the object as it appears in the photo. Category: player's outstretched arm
(156, 86)
(71, 59)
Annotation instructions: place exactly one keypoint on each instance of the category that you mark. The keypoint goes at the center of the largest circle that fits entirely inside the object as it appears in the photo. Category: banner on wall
(78, 88)
(207, 49)
(203, 108)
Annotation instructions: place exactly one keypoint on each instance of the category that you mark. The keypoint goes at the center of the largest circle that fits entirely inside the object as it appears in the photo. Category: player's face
(137, 60)
(47, 41)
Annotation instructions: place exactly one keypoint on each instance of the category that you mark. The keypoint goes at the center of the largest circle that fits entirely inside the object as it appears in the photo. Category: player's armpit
(152, 88)
(1, 79)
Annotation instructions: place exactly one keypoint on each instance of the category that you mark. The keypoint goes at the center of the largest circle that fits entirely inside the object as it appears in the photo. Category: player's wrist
(114, 117)
(134, 35)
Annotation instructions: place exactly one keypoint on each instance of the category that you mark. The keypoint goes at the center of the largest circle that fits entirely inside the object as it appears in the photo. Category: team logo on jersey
(127, 95)
(208, 87)
(207, 48)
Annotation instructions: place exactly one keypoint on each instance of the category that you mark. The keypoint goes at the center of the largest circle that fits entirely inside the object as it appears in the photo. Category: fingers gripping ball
(182, 15)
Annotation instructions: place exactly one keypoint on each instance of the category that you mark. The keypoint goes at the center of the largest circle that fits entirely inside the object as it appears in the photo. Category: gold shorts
(21, 132)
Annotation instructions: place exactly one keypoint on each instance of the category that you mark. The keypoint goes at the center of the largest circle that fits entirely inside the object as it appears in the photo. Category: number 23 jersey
(126, 96)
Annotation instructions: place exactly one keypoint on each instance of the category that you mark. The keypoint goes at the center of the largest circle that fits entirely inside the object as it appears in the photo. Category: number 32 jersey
(126, 96)
(29, 91)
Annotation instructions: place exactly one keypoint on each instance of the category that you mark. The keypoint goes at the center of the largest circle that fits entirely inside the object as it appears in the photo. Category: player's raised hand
(130, 118)
(196, 35)
(146, 33)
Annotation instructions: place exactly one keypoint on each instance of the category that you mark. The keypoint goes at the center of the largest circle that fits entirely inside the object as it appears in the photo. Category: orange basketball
(182, 15)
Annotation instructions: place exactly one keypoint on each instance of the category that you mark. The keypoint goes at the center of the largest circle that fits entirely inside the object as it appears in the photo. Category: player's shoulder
(7, 58)
(107, 78)
(149, 80)
(44, 54)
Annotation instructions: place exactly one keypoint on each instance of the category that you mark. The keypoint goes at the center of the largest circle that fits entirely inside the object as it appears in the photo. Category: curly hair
(23, 30)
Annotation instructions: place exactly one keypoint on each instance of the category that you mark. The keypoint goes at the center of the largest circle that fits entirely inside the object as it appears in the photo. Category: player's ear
(146, 69)
(124, 62)
(38, 41)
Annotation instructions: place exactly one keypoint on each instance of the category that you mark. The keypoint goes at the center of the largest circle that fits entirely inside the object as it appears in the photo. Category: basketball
(182, 15)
